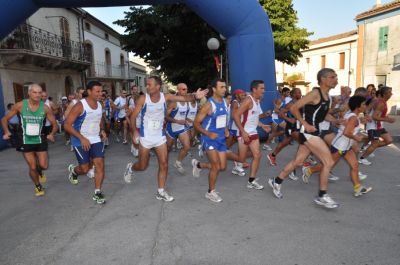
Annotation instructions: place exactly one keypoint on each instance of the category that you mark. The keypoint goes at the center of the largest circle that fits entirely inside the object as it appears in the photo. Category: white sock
(160, 190)
(97, 191)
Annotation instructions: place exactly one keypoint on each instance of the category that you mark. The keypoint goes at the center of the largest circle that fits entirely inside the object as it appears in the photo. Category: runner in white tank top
(177, 127)
(347, 135)
(152, 108)
(193, 107)
(85, 124)
(250, 110)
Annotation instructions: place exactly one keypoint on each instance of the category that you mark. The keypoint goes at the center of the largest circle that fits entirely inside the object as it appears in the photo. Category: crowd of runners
(325, 127)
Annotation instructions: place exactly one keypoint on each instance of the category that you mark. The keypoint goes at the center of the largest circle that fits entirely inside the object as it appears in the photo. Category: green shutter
(383, 38)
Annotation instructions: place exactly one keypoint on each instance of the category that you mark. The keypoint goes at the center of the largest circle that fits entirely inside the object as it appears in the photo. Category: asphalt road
(248, 227)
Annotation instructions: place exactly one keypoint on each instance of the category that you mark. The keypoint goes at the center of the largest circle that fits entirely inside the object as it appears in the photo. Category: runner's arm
(138, 107)
(203, 112)
(187, 98)
(50, 116)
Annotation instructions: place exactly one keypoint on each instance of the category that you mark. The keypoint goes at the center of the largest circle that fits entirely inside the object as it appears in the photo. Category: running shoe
(99, 198)
(362, 176)
(90, 173)
(39, 191)
(276, 188)
(267, 147)
(272, 159)
(306, 174)
(362, 190)
(164, 196)
(364, 161)
(293, 176)
(128, 175)
(124, 141)
(326, 201)
(213, 196)
(311, 159)
(72, 148)
(67, 142)
(333, 177)
(372, 155)
(196, 170)
(179, 167)
(73, 178)
(254, 185)
(237, 170)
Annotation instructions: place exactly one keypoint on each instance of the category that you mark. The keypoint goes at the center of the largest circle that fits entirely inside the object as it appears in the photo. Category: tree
(171, 38)
(288, 38)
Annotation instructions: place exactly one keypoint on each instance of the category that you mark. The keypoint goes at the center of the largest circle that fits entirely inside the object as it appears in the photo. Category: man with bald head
(33, 143)
(178, 126)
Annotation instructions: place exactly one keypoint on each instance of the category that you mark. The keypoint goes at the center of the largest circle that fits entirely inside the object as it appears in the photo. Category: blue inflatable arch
(243, 22)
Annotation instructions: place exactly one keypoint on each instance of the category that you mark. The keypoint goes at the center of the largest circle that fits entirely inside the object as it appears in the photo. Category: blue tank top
(217, 121)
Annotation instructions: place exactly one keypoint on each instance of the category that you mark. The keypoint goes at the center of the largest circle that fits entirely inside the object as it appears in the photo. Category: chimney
(378, 3)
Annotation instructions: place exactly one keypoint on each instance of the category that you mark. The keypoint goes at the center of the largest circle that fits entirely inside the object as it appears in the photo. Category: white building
(379, 49)
(109, 62)
(338, 52)
(46, 49)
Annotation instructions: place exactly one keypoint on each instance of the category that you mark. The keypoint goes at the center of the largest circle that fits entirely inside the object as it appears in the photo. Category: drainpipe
(349, 72)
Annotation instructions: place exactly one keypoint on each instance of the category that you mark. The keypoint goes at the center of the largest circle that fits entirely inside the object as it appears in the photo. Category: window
(383, 38)
(106, 36)
(342, 58)
(323, 61)
(87, 26)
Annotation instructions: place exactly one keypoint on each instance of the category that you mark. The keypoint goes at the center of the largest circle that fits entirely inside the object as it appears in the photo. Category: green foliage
(289, 39)
(173, 38)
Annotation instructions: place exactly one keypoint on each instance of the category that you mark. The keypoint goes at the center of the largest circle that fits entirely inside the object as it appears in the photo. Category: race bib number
(221, 121)
(32, 129)
(154, 124)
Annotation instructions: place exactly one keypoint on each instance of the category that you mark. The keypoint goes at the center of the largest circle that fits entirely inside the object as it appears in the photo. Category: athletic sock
(97, 191)
(272, 154)
(251, 179)
(198, 165)
(39, 186)
(160, 190)
(278, 180)
(321, 193)
(362, 157)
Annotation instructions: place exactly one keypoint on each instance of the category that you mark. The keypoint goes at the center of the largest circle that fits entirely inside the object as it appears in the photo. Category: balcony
(108, 71)
(31, 45)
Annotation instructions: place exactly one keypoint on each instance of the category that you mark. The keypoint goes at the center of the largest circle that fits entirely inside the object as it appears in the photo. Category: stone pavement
(248, 227)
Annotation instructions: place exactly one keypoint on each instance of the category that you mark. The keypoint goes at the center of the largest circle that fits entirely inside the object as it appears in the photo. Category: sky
(323, 17)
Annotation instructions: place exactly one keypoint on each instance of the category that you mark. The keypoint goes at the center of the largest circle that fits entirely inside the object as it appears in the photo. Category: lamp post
(213, 45)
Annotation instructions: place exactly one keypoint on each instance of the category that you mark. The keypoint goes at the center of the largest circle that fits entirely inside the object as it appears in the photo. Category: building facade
(379, 49)
(338, 52)
(47, 49)
(109, 62)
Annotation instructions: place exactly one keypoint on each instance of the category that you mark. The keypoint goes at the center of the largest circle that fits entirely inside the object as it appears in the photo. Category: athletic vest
(88, 123)
(216, 122)
(32, 123)
(179, 113)
(152, 117)
(342, 142)
(315, 114)
(251, 118)
(192, 112)
(379, 124)
(47, 103)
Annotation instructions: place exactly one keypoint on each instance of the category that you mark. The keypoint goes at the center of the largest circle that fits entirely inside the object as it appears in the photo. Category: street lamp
(213, 45)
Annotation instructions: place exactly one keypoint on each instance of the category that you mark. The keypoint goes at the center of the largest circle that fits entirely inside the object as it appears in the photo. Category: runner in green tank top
(32, 113)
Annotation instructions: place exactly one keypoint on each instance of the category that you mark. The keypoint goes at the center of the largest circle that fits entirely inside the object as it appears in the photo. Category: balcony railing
(102, 69)
(36, 40)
